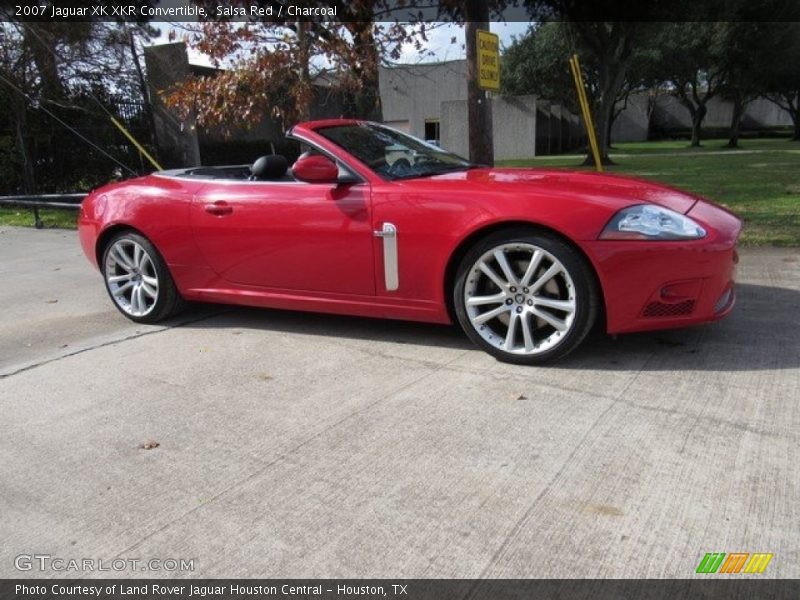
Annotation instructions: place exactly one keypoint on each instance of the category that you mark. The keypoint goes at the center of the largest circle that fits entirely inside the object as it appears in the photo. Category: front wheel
(525, 297)
(138, 280)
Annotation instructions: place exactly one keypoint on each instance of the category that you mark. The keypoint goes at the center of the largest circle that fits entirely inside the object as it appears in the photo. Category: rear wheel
(138, 280)
(525, 297)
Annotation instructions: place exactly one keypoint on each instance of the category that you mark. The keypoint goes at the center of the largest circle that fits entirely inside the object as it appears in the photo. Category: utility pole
(479, 111)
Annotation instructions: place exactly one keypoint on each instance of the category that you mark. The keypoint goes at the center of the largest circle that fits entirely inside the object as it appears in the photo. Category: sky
(439, 42)
(438, 48)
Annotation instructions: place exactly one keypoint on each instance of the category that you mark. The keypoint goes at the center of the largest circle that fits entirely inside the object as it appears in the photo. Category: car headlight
(651, 222)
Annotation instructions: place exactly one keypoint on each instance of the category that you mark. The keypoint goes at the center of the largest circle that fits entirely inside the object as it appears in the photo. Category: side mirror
(316, 169)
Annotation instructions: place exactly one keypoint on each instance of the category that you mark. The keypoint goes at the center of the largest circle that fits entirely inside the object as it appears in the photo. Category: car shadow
(762, 333)
(327, 325)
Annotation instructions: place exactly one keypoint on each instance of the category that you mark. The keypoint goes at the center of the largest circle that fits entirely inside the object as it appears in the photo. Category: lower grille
(663, 309)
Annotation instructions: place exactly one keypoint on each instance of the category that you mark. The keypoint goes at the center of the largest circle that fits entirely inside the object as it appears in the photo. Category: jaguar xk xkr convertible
(370, 221)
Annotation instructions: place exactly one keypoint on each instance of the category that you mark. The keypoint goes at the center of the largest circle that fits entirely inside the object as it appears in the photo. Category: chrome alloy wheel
(520, 298)
(131, 278)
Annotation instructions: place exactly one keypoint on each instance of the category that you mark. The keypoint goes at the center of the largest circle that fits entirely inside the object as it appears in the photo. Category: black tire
(571, 294)
(167, 301)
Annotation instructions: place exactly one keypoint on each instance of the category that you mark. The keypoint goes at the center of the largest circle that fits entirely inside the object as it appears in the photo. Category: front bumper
(650, 285)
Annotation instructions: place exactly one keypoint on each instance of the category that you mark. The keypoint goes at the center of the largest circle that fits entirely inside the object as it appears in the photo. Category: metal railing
(37, 201)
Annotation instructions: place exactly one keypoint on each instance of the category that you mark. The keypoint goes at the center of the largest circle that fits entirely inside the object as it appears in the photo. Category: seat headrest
(273, 166)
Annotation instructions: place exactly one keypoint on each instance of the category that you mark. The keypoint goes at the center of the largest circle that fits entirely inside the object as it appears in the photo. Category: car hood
(614, 191)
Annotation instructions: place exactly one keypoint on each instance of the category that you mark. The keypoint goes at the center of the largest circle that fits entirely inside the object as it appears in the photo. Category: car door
(298, 236)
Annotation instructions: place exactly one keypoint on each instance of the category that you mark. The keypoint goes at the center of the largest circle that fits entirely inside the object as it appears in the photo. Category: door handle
(219, 208)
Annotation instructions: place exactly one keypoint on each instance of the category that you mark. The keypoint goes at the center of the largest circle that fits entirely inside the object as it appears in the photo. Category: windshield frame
(416, 145)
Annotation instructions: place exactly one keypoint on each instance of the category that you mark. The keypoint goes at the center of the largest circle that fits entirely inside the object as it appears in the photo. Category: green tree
(781, 76)
(267, 67)
(749, 51)
(690, 61)
(55, 73)
(610, 60)
(537, 63)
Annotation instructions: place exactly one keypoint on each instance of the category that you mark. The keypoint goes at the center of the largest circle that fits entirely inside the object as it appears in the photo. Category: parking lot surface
(302, 445)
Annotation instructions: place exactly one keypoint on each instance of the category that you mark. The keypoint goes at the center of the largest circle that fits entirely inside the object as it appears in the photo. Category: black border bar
(707, 587)
(280, 11)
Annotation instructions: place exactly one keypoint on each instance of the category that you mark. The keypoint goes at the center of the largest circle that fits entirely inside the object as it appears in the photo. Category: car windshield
(392, 154)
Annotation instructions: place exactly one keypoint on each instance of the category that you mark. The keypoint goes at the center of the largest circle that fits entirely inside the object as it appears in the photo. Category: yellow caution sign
(488, 48)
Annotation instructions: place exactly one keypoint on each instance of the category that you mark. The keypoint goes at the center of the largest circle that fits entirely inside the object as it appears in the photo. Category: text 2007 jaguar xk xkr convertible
(370, 221)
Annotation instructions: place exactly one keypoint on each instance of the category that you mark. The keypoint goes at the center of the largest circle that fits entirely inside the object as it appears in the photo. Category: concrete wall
(633, 123)
(454, 130)
(557, 129)
(513, 125)
(718, 117)
(763, 113)
(577, 132)
(413, 94)
(668, 114)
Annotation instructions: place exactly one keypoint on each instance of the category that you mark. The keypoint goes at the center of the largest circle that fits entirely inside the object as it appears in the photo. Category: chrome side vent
(390, 272)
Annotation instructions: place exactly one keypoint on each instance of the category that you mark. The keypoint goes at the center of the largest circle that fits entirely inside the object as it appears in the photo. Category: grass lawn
(51, 217)
(760, 181)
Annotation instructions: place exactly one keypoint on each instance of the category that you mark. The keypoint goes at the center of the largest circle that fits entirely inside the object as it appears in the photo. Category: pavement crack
(708, 420)
(113, 342)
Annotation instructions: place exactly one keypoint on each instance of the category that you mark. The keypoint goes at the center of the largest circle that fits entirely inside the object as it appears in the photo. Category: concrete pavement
(297, 445)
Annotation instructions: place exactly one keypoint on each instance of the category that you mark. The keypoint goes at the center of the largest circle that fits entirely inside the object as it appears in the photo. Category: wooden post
(479, 110)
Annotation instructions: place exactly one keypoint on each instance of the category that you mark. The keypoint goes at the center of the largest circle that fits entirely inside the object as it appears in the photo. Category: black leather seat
(269, 168)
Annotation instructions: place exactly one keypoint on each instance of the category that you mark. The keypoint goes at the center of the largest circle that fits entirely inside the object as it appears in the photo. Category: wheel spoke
(151, 281)
(120, 278)
(123, 288)
(536, 259)
(150, 291)
(145, 264)
(554, 270)
(545, 316)
(137, 255)
(501, 259)
(489, 272)
(567, 306)
(527, 331)
(138, 296)
(119, 256)
(513, 318)
(135, 300)
(491, 314)
(481, 300)
(142, 301)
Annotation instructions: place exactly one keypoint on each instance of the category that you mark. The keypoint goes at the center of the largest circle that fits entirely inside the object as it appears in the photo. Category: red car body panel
(310, 246)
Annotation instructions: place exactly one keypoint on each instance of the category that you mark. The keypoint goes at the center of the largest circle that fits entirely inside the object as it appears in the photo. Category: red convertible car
(373, 222)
